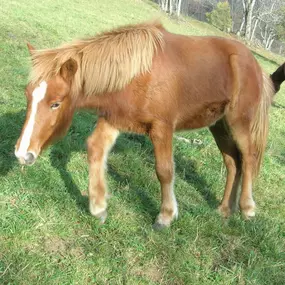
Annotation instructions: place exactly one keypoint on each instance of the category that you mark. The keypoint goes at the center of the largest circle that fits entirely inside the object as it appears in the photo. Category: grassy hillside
(47, 235)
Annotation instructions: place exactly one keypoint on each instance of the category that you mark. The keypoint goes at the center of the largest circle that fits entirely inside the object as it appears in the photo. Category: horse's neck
(91, 101)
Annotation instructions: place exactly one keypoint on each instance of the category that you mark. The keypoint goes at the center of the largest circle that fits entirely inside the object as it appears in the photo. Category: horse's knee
(165, 172)
(94, 149)
(91, 142)
(232, 163)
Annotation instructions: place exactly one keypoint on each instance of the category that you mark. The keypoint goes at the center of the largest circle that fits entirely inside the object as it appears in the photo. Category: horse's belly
(200, 116)
(127, 122)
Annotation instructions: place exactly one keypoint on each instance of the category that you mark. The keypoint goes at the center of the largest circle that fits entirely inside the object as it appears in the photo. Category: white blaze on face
(37, 95)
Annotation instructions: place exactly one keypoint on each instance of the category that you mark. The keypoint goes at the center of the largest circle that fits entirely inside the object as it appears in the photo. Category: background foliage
(220, 17)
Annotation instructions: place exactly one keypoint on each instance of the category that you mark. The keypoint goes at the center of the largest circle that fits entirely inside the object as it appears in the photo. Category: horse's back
(190, 84)
(198, 77)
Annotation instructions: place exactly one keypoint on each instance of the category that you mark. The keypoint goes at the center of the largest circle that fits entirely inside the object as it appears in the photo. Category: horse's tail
(259, 127)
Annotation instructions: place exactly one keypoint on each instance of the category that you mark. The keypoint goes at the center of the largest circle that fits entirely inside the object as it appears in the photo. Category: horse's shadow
(60, 156)
(10, 128)
(277, 105)
(83, 124)
(61, 151)
(185, 168)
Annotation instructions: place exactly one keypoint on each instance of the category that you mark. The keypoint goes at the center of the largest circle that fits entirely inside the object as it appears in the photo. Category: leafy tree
(220, 17)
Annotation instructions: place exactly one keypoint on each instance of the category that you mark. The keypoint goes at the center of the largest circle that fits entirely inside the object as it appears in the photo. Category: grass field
(47, 235)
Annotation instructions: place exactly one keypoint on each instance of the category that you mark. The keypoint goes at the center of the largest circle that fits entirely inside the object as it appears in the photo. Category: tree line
(261, 22)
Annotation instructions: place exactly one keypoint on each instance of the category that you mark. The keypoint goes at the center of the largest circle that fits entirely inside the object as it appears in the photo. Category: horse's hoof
(248, 209)
(248, 214)
(102, 216)
(99, 212)
(161, 223)
(224, 211)
(159, 227)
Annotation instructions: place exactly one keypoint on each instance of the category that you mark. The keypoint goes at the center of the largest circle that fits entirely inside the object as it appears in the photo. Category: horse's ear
(30, 48)
(68, 69)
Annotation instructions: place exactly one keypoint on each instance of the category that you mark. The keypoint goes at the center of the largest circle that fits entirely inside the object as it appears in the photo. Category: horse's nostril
(30, 158)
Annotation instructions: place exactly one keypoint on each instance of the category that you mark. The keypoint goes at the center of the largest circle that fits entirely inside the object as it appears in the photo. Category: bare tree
(268, 18)
(257, 20)
(248, 6)
(178, 7)
(171, 6)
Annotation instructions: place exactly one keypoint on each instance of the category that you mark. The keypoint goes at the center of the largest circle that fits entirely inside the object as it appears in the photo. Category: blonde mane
(106, 62)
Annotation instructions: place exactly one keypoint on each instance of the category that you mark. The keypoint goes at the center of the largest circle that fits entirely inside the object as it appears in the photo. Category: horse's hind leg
(161, 136)
(99, 144)
(231, 157)
(241, 134)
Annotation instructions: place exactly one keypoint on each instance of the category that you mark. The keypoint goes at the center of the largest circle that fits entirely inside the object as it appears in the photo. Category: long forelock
(106, 62)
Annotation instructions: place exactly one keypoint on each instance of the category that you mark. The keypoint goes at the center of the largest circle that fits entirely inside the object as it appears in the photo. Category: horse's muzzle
(28, 159)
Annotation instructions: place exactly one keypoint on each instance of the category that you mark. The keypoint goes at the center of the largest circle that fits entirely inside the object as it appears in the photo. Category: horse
(144, 79)
(277, 77)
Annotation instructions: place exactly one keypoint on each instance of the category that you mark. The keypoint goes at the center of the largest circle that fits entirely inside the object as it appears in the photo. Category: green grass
(47, 235)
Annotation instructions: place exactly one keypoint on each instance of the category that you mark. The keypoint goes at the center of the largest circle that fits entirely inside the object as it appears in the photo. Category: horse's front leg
(161, 136)
(99, 144)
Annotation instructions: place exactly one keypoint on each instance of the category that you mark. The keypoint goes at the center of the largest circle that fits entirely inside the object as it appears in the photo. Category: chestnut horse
(144, 79)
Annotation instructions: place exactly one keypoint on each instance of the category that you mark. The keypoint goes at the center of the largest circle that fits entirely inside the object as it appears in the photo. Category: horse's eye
(55, 105)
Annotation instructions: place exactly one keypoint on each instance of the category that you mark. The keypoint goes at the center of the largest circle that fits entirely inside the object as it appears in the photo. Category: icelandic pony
(144, 79)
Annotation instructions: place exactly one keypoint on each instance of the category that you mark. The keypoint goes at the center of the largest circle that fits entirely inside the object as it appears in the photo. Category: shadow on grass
(61, 153)
(10, 129)
(188, 171)
(59, 159)
(185, 168)
(259, 55)
(278, 106)
(11, 124)
(136, 197)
